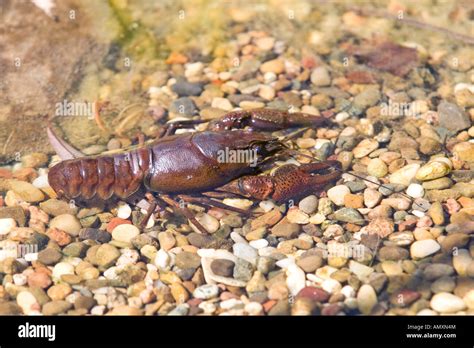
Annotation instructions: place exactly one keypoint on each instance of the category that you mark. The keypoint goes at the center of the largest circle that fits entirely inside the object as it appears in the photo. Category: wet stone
(183, 106)
(49, 256)
(94, 234)
(452, 117)
(16, 213)
(184, 88)
(243, 270)
(223, 267)
(185, 260)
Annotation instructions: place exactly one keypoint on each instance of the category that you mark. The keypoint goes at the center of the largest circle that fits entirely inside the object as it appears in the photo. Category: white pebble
(231, 303)
(296, 279)
(237, 238)
(41, 181)
(415, 191)
(285, 263)
(253, 308)
(266, 206)
(6, 225)
(418, 213)
(331, 285)
(125, 233)
(124, 211)
(27, 302)
(207, 307)
(348, 291)
(424, 248)
(259, 243)
(206, 291)
(19, 279)
(62, 268)
(445, 302)
(162, 260)
(336, 194)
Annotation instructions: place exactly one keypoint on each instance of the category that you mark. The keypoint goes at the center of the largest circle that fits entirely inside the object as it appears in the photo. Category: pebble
(39, 279)
(393, 253)
(437, 270)
(243, 270)
(366, 299)
(372, 197)
(461, 260)
(167, 240)
(415, 191)
(27, 302)
(185, 260)
(295, 279)
(454, 240)
(59, 291)
(464, 151)
(336, 194)
(368, 97)
(26, 191)
(424, 248)
(57, 207)
(244, 204)
(360, 270)
(444, 302)
(320, 77)
(49, 256)
(432, 170)
(438, 184)
(210, 223)
(377, 168)
(286, 230)
(125, 233)
(365, 147)
(436, 213)
(94, 234)
(452, 117)
(56, 307)
(222, 267)
(61, 269)
(275, 66)
(259, 243)
(266, 92)
(308, 204)
(6, 226)
(183, 106)
(124, 211)
(349, 215)
(469, 299)
(405, 175)
(184, 88)
(207, 291)
(245, 252)
(443, 284)
(67, 223)
(297, 216)
(314, 294)
(106, 255)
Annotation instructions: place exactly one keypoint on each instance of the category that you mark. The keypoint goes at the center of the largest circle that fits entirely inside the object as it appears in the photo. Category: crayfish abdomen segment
(100, 177)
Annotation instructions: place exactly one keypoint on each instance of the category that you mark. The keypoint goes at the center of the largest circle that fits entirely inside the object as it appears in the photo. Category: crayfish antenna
(64, 150)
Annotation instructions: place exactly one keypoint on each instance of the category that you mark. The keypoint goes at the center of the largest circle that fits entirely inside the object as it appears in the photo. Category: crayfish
(184, 165)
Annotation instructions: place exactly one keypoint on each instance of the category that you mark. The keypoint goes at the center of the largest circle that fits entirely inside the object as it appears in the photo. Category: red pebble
(313, 293)
(115, 222)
